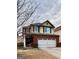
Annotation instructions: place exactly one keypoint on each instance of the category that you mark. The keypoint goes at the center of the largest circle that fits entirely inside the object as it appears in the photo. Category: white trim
(24, 42)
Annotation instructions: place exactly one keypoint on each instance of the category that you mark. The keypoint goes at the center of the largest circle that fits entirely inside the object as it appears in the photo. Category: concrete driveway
(53, 51)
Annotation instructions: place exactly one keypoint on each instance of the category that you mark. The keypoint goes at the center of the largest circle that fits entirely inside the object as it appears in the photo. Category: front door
(28, 41)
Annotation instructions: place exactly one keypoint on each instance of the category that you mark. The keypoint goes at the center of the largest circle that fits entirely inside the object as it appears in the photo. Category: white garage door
(46, 43)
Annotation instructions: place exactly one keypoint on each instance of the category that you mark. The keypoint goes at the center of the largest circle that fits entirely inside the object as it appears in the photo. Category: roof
(41, 34)
(40, 24)
(57, 29)
(37, 24)
(49, 23)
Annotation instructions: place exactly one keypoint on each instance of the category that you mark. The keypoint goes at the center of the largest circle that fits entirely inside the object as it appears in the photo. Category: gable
(47, 23)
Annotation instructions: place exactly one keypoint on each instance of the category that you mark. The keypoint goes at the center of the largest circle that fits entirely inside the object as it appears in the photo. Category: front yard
(34, 54)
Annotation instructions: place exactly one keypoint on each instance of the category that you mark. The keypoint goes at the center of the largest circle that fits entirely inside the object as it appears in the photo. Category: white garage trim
(46, 43)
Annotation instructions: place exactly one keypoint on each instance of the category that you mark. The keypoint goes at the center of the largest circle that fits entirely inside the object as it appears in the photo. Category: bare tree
(25, 9)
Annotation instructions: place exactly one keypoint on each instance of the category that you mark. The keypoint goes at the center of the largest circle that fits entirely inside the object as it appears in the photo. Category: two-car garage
(46, 43)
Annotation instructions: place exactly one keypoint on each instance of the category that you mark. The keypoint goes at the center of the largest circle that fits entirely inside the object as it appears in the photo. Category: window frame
(36, 29)
(46, 29)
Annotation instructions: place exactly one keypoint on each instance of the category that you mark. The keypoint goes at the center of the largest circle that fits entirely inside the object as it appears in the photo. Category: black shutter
(50, 30)
(38, 29)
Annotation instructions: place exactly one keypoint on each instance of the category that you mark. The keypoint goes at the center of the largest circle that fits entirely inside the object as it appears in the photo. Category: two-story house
(40, 35)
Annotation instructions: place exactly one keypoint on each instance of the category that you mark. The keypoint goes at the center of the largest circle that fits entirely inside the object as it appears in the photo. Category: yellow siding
(45, 24)
(41, 29)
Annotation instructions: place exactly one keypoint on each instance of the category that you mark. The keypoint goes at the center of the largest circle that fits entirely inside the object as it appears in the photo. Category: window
(36, 29)
(24, 29)
(47, 30)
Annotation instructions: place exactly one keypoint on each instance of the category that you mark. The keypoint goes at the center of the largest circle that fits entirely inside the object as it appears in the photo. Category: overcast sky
(47, 10)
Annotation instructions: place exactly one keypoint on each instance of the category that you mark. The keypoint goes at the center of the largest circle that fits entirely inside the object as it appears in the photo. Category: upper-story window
(24, 29)
(47, 30)
(35, 28)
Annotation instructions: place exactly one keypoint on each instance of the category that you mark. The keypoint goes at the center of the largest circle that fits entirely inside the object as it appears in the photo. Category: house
(40, 35)
(57, 31)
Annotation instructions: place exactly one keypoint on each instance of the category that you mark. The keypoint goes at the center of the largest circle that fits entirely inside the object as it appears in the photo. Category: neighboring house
(40, 35)
(57, 31)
